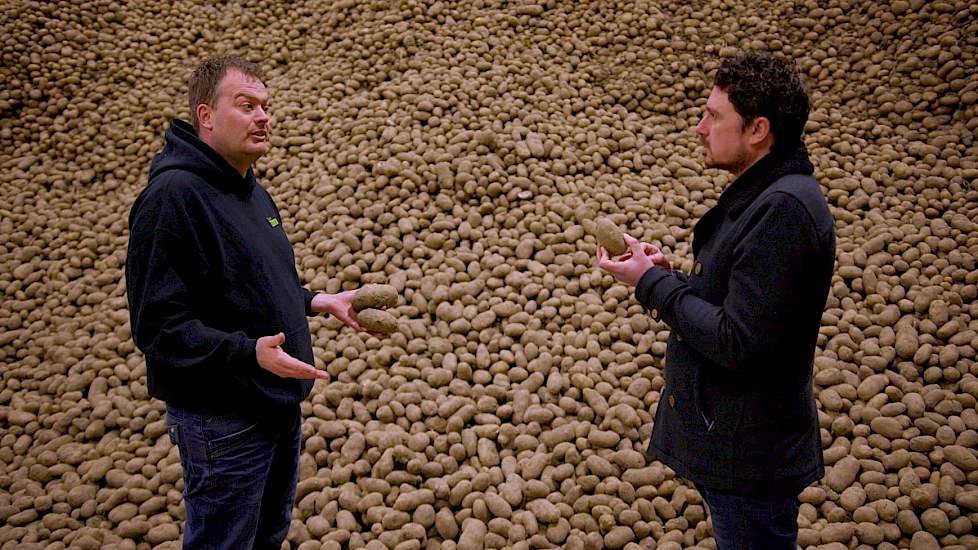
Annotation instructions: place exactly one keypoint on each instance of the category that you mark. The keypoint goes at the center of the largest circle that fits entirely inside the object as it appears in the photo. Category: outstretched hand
(340, 305)
(630, 266)
(271, 357)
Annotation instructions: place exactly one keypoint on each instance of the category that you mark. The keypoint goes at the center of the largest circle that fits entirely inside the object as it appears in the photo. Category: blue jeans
(744, 522)
(239, 474)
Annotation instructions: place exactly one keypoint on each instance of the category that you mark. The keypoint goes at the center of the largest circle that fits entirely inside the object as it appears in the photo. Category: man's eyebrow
(250, 96)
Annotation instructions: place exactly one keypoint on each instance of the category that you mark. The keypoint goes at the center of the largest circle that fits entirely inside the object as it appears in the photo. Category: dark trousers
(240, 474)
(742, 522)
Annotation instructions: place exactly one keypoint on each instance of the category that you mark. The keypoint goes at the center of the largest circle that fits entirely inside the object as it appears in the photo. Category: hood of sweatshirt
(184, 150)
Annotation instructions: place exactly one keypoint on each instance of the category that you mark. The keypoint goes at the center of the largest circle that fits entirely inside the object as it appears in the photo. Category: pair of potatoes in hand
(370, 303)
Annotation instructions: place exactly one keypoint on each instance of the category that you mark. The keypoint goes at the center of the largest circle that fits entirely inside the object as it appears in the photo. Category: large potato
(377, 320)
(610, 236)
(374, 296)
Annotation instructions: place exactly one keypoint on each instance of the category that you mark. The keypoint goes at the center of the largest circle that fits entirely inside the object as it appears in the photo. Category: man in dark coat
(737, 414)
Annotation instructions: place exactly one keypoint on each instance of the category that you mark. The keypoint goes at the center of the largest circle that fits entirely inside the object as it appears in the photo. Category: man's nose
(261, 114)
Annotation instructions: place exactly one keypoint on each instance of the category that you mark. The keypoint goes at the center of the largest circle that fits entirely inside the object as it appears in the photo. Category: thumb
(277, 340)
(634, 244)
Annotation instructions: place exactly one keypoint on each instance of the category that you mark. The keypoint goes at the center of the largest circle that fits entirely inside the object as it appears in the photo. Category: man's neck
(243, 171)
(240, 166)
(758, 155)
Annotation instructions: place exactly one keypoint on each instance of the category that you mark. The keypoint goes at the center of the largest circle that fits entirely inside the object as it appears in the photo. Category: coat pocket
(719, 409)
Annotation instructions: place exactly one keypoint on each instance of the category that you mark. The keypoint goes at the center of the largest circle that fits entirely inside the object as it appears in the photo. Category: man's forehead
(235, 82)
(718, 99)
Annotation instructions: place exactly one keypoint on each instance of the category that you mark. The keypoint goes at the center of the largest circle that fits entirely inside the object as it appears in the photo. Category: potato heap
(452, 150)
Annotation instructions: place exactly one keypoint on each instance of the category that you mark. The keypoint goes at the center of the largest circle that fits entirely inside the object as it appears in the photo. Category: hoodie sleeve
(164, 262)
(767, 286)
(309, 295)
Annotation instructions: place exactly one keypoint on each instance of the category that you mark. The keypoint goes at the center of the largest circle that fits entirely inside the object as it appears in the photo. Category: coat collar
(789, 159)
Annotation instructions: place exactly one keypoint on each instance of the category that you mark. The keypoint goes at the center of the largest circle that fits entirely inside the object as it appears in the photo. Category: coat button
(672, 400)
(679, 338)
(654, 313)
(698, 268)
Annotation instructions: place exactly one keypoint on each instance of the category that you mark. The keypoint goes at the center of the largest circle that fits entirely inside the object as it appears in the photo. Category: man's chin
(258, 149)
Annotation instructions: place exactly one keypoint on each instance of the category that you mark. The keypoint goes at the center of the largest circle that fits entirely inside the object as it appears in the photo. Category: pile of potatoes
(460, 152)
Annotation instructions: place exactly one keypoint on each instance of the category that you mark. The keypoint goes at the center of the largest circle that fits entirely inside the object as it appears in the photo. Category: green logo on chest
(272, 221)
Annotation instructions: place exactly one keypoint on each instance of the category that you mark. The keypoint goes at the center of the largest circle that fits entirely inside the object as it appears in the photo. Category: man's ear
(204, 116)
(760, 129)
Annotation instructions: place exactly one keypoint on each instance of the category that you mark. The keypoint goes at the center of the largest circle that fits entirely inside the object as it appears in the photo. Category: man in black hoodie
(737, 414)
(217, 308)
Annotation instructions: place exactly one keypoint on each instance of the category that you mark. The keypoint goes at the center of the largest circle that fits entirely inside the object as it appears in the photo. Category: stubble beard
(737, 165)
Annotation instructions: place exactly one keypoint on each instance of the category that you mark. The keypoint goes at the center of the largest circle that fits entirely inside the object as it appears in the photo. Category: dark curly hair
(764, 85)
(206, 76)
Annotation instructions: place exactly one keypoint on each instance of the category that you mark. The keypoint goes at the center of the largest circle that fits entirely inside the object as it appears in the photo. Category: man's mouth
(260, 135)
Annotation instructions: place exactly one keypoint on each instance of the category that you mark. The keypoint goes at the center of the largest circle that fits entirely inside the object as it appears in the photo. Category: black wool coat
(737, 412)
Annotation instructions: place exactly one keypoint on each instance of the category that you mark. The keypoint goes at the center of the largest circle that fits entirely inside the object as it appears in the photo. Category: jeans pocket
(226, 434)
(785, 508)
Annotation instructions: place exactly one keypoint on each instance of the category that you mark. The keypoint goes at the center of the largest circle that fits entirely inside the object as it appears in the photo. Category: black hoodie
(209, 271)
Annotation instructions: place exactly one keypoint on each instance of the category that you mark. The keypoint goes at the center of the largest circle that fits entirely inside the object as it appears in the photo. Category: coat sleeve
(163, 269)
(766, 287)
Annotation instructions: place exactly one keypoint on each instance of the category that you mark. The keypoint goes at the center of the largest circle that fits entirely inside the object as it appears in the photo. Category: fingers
(305, 371)
(637, 246)
(634, 244)
(604, 260)
(343, 315)
(287, 366)
(346, 312)
(272, 358)
(348, 316)
(352, 323)
(609, 264)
